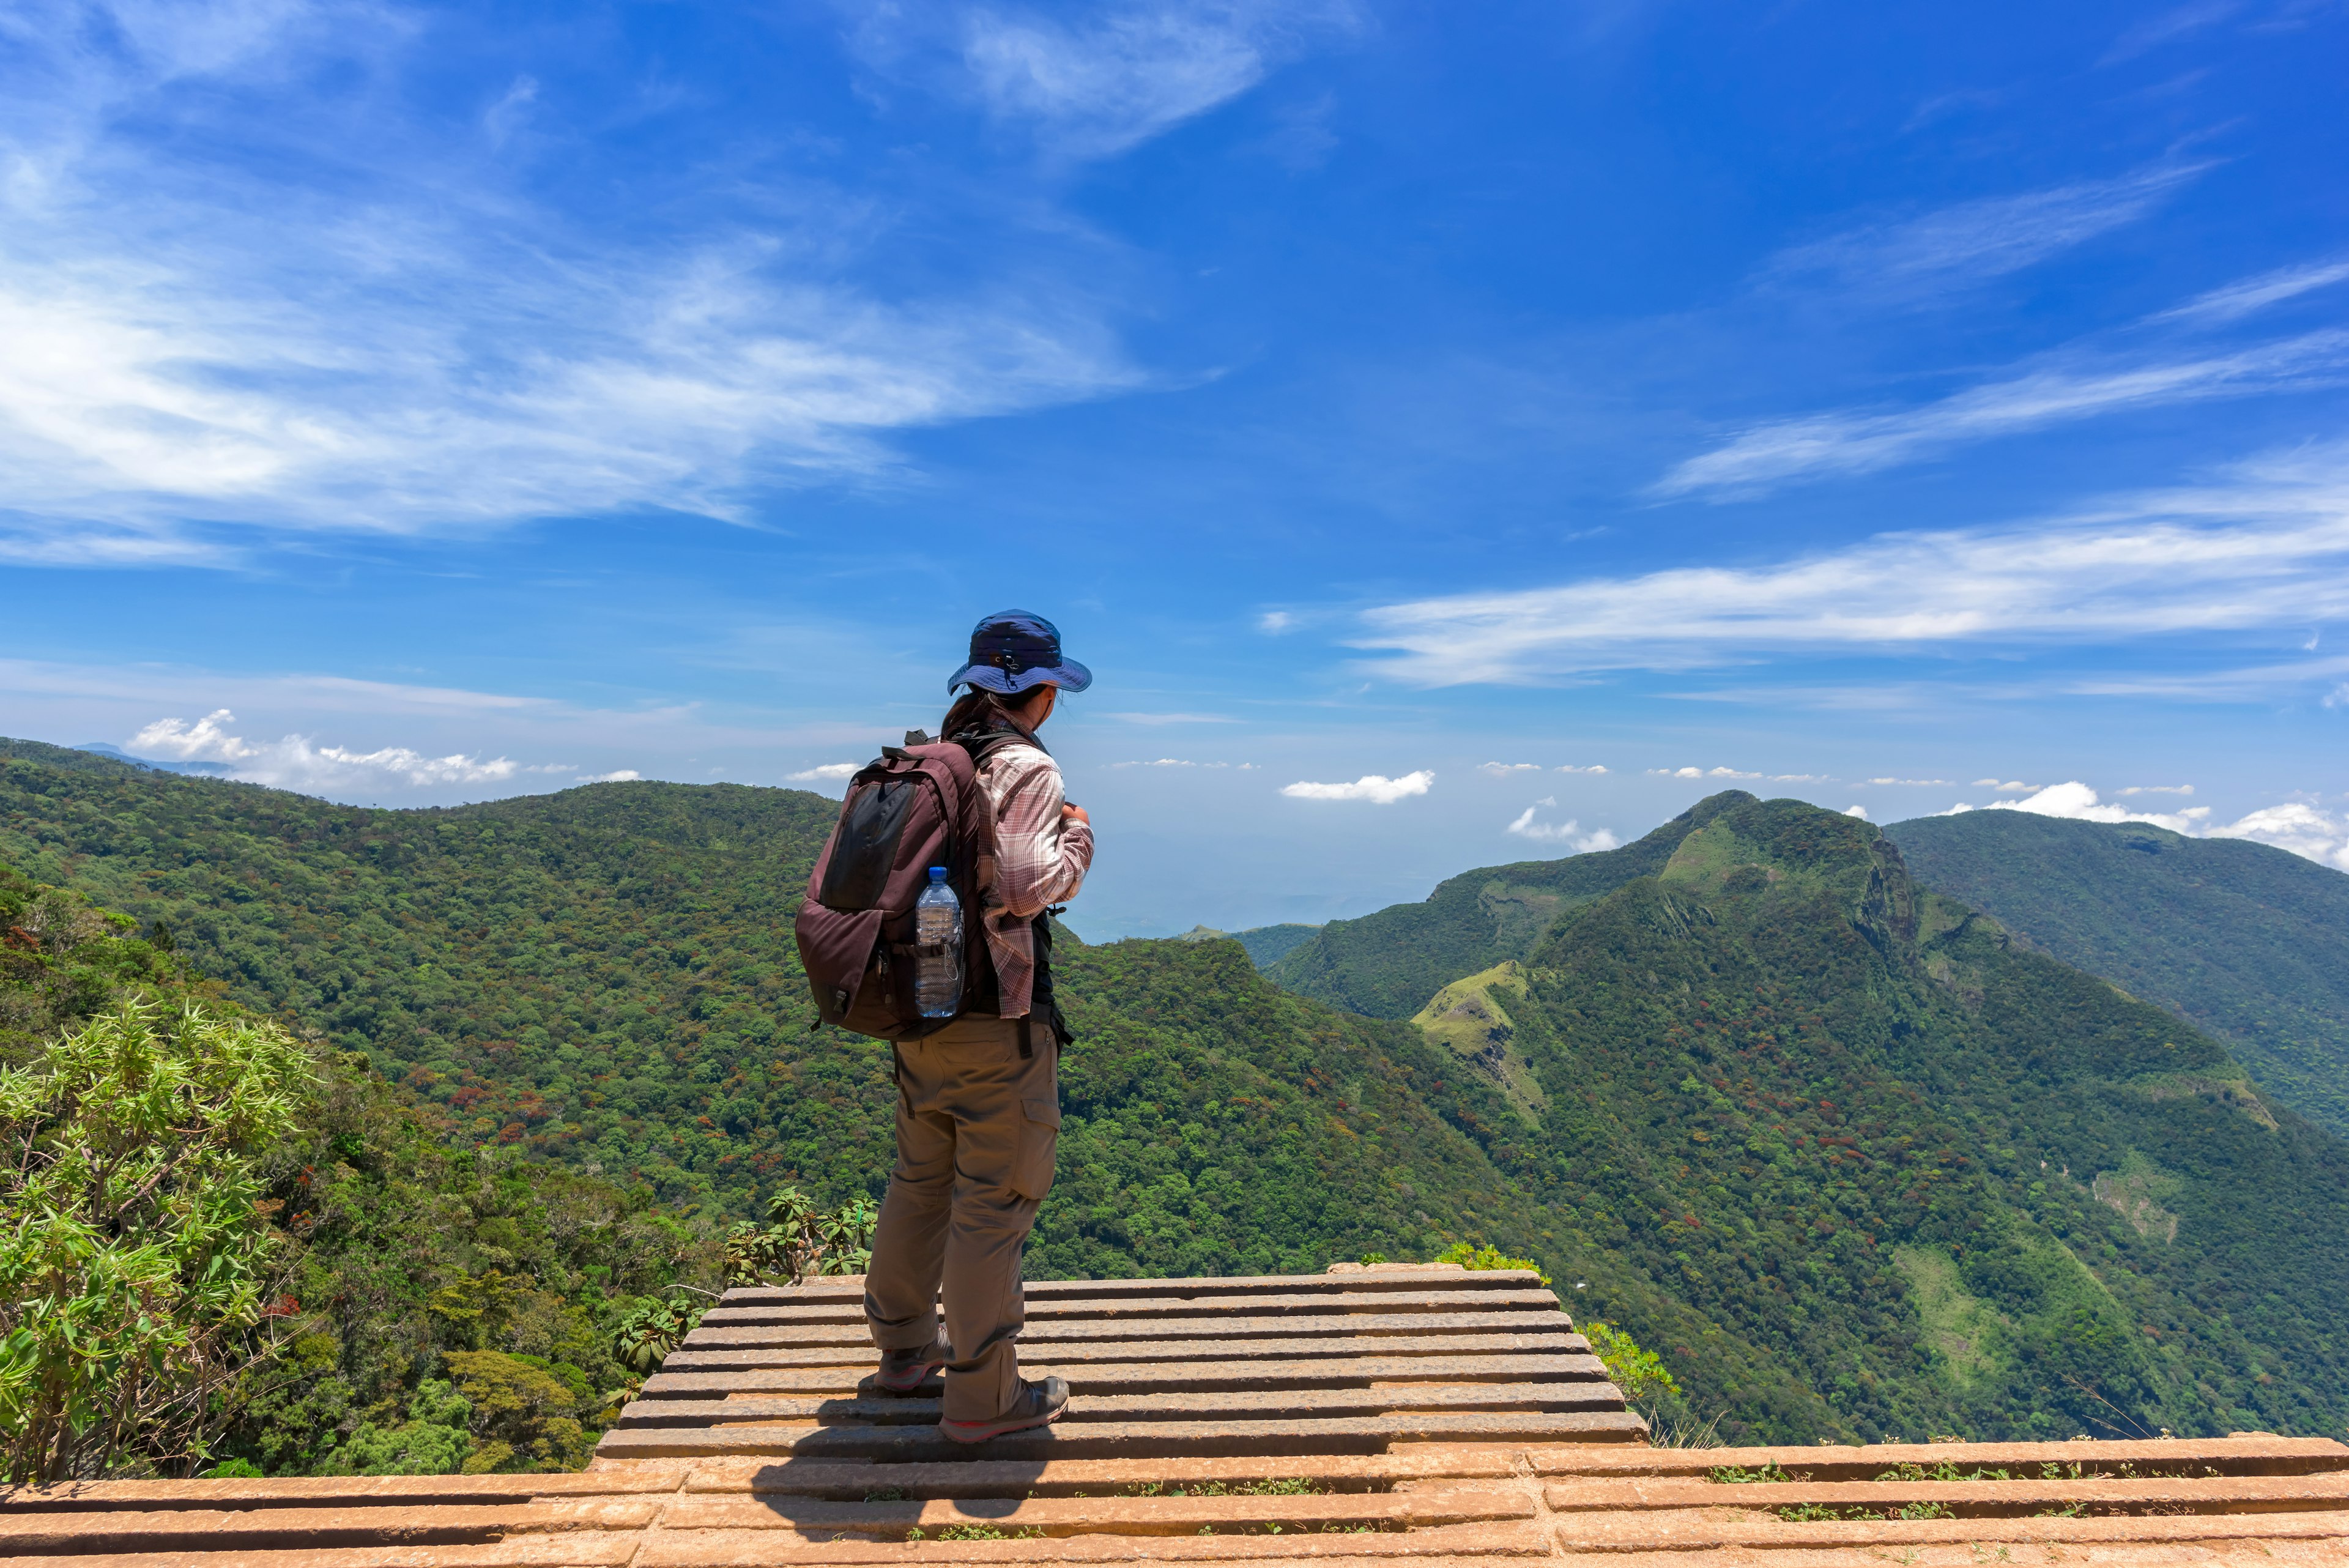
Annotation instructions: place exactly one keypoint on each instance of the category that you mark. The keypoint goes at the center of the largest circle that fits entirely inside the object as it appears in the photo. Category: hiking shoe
(904, 1372)
(1039, 1405)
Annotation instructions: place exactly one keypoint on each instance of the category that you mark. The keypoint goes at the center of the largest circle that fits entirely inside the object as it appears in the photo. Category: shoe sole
(924, 1384)
(961, 1431)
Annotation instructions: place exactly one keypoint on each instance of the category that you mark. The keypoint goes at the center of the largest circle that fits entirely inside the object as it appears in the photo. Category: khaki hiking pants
(978, 1127)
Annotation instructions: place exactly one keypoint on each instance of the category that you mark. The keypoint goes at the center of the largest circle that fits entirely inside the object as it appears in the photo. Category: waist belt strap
(1027, 1040)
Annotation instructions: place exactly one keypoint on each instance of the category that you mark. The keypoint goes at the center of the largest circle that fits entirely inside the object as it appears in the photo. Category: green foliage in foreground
(605, 976)
(135, 1265)
(260, 1254)
(2249, 943)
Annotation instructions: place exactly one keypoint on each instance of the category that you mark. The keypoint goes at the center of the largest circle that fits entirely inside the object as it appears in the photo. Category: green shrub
(139, 1270)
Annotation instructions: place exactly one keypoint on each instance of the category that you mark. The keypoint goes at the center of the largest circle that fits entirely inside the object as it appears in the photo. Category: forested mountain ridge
(606, 976)
(1790, 1114)
(1387, 963)
(1212, 1122)
(2245, 940)
(432, 1307)
(1971, 1189)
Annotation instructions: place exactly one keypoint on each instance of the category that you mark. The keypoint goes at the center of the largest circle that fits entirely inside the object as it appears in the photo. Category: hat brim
(1068, 675)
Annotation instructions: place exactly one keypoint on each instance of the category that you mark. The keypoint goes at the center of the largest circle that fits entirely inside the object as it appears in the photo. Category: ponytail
(977, 709)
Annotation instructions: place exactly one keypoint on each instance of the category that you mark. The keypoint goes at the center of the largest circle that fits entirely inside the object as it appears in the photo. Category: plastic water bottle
(937, 938)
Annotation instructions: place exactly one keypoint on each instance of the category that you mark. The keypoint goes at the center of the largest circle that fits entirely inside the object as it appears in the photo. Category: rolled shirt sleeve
(1040, 859)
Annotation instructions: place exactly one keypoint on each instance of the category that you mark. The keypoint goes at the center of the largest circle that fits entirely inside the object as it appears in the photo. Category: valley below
(1821, 1117)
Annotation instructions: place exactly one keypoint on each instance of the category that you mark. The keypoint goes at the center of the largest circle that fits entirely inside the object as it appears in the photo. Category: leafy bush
(1640, 1374)
(138, 1268)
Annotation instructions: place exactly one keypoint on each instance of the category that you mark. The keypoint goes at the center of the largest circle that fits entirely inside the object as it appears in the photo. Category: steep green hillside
(440, 1307)
(1968, 1188)
(1386, 965)
(1267, 945)
(606, 977)
(1763, 1103)
(2247, 942)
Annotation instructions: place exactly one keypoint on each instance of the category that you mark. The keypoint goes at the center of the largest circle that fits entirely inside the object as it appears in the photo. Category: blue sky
(1893, 407)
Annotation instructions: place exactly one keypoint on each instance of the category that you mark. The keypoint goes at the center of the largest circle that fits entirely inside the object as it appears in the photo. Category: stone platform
(1348, 1419)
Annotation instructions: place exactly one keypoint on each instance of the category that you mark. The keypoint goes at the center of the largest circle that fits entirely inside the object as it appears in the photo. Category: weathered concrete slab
(1436, 1464)
(1543, 1340)
(1245, 1405)
(1184, 1330)
(1051, 1309)
(49, 1532)
(1970, 1498)
(1117, 1515)
(1201, 1377)
(337, 1492)
(1117, 1439)
(2244, 1454)
(1448, 1277)
(577, 1549)
(725, 1548)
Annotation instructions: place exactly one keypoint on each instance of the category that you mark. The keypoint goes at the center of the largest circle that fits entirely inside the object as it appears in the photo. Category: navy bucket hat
(1012, 650)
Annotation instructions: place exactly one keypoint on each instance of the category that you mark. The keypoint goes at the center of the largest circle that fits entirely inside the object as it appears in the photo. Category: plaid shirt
(1040, 859)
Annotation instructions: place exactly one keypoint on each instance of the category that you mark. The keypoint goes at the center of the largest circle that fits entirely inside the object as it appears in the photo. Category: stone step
(1273, 1440)
(851, 1287)
(747, 1548)
(46, 1533)
(1114, 1515)
(1968, 1499)
(2227, 1537)
(1202, 1376)
(721, 1335)
(857, 1350)
(575, 1549)
(2246, 1453)
(337, 1492)
(1241, 1406)
(1409, 1464)
(1049, 1308)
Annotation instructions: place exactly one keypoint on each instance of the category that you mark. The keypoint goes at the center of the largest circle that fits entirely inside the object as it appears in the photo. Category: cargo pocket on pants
(1039, 1145)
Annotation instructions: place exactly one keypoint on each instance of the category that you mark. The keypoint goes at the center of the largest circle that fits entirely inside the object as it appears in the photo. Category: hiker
(979, 1101)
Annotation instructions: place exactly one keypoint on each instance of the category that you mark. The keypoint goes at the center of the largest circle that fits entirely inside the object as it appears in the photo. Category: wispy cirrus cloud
(412, 340)
(2267, 545)
(1924, 255)
(2240, 299)
(1774, 454)
(1102, 82)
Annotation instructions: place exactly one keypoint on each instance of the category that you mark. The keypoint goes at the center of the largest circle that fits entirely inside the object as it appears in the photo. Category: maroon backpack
(913, 807)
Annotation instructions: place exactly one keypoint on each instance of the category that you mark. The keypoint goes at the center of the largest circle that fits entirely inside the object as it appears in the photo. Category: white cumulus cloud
(2077, 801)
(1504, 769)
(828, 771)
(1858, 811)
(293, 763)
(1375, 788)
(1569, 832)
(2300, 826)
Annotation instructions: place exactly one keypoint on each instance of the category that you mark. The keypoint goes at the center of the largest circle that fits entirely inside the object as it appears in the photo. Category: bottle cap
(937, 873)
